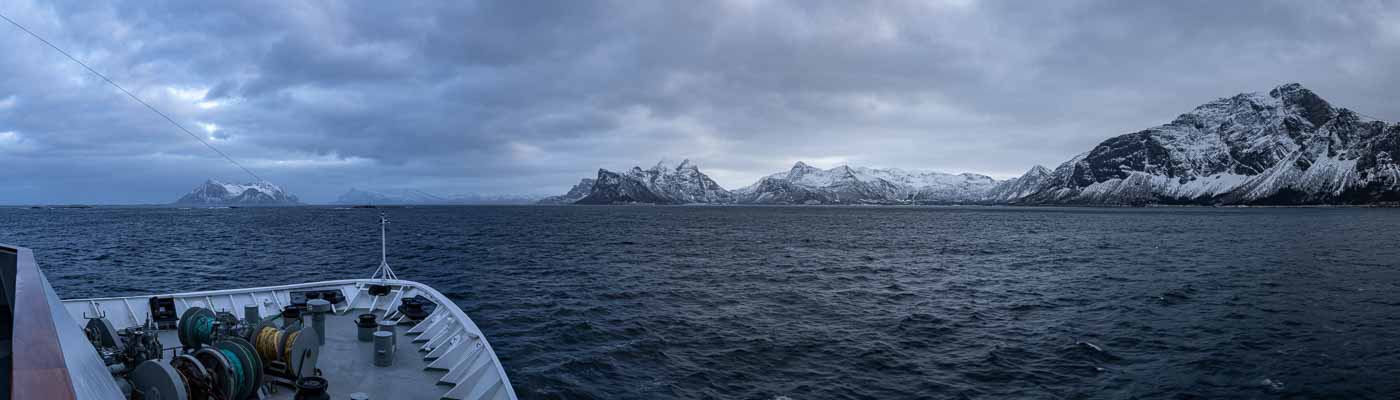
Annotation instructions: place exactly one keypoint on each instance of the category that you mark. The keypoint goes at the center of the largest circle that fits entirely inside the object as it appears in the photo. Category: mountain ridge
(576, 193)
(804, 184)
(1287, 146)
(217, 193)
(1284, 146)
(661, 184)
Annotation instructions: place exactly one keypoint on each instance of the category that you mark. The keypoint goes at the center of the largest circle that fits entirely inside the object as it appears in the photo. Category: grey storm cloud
(530, 96)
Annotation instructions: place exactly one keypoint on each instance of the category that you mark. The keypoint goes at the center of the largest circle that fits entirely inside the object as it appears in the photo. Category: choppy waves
(825, 302)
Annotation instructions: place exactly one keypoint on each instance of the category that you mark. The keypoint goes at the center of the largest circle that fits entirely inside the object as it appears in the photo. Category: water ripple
(824, 302)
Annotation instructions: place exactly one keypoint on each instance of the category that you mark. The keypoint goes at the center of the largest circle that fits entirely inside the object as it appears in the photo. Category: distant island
(1287, 146)
(216, 193)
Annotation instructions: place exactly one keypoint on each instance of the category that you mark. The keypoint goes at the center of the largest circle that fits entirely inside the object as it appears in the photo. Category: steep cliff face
(661, 184)
(1286, 146)
(804, 184)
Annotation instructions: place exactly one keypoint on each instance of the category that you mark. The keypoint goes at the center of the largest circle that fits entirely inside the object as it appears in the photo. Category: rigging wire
(133, 97)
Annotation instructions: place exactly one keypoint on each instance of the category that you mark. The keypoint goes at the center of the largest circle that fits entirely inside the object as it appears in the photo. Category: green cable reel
(248, 370)
(196, 327)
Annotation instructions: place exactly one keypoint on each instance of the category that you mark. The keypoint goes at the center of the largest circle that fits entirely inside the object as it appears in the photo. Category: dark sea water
(824, 302)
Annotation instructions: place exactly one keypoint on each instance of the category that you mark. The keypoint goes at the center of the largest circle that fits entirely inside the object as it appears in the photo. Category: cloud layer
(530, 96)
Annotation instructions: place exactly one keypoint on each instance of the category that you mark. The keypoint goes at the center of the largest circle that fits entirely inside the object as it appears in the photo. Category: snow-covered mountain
(578, 192)
(805, 184)
(1286, 146)
(661, 184)
(215, 193)
(1014, 189)
(386, 197)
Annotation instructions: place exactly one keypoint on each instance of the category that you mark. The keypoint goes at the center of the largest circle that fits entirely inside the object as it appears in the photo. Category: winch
(221, 356)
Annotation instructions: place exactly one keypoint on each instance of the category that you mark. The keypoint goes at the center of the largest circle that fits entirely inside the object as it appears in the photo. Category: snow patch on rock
(1284, 146)
(216, 193)
(804, 184)
(663, 183)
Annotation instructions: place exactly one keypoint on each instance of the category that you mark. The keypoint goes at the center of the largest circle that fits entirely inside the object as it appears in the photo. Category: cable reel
(226, 370)
(153, 379)
(217, 364)
(221, 372)
(100, 332)
(244, 365)
(198, 383)
(196, 327)
(286, 350)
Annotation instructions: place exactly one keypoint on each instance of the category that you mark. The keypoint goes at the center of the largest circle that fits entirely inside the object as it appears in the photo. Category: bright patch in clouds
(187, 94)
(526, 152)
(211, 128)
(310, 161)
(11, 141)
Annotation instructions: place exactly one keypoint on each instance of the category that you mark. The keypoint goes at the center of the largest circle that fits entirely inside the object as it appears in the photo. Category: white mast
(384, 272)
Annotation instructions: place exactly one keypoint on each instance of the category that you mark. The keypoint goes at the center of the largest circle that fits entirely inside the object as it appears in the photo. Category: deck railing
(37, 367)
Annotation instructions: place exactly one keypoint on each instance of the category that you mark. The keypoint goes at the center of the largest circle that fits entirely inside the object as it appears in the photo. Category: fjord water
(823, 302)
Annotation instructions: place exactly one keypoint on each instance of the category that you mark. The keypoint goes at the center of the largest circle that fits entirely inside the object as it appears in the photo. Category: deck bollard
(367, 326)
(318, 309)
(383, 349)
(393, 329)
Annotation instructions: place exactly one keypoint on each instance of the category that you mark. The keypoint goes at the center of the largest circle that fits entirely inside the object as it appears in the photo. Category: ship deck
(348, 365)
(443, 357)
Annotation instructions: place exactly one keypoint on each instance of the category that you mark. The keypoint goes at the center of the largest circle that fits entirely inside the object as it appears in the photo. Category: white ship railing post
(383, 244)
(384, 272)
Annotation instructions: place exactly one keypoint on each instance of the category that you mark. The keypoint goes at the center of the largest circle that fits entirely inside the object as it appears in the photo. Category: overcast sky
(528, 97)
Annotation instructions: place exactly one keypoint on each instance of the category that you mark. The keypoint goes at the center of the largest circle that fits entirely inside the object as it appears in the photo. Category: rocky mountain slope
(1015, 189)
(804, 184)
(576, 193)
(215, 193)
(1286, 146)
(660, 184)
